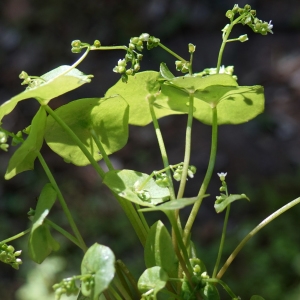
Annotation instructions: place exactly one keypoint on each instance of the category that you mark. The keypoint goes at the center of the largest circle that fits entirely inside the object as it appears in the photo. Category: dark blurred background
(261, 157)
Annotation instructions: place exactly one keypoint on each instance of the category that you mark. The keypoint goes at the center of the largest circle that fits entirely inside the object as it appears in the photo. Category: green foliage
(86, 130)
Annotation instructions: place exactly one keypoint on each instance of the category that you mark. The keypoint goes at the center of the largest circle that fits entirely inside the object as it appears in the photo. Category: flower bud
(97, 43)
(229, 14)
(243, 38)
(144, 37)
(247, 7)
(134, 40)
(76, 44)
(192, 48)
(75, 50)
(131, 46)
(122, 62)
(23, 75)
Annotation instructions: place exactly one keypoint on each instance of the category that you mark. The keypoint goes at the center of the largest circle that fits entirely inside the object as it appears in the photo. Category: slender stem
(109, 48)
(75, 139)
(123, 280)
(261, 225)
(221, 242)
(191, 64)
(63, 203)
(114, 292)
(162, 150)
(224, 285)
(16, 236)
(142, 217)
(207, 177)
(102, 150)
(187, 152)
(63, 232)
(122, 289)
(171, 52)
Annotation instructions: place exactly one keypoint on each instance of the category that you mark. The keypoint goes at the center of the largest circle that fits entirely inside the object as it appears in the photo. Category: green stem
(109, 48)
(76, 140)
(142, 217)
(187, 152)
(224, 285)
(210, 168)
(122, 280)
(102, 150)
(162, 150)
(63, 232)
(171, 52)
(221, 242)
(122, 289)
(261, 225)
(114, 292)
(63, 203)
(16, 236)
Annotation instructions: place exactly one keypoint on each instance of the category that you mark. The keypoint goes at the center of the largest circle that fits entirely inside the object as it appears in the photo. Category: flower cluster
(223, 70)
(248, 17)
(9, 256)
(178, 172)
(133, 57)
(31, 81)
(66, 286)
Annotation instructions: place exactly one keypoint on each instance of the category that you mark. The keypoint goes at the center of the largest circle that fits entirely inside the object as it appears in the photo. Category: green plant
(87, 130)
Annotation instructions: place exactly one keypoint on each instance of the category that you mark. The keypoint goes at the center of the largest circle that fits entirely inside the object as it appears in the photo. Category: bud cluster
(66, 286)
(182, 66)
(223, 188)
(161, 179)
(248, 17)
(31, 81)
(9, 256)
(133, 57)
(178, 172)
(223, 70)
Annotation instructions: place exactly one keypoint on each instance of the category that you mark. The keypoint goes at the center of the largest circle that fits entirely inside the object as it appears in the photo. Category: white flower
(222, 175)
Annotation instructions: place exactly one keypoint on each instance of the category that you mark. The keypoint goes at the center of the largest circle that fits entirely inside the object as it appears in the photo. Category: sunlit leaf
(129, 185)
(99, 260)
(108, 117)
(24, 157)
(57, 82)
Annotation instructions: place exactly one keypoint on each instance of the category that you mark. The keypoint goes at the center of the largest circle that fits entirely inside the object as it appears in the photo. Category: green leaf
(41, 242)
(24, 157)
(210, 292)
(99, 260)
(56, 83)
(220, 205)
(137, 92)
(235, 104)
(154, 279)
(159, 250)
(257, 297)
(165, 72)
(126, 183)
(172, 205)
(108, 117)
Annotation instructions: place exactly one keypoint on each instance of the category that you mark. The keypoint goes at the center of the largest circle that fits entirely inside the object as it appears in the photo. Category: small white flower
(222, 175)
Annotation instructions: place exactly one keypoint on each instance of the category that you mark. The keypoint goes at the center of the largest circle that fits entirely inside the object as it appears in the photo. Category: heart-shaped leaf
(24, 157)
(222, 203)
(41, 243)
(136, 92)
(153, 279)
(56, 82)
(159, 250)
(129, 185)
(99, 261)
(107, 117)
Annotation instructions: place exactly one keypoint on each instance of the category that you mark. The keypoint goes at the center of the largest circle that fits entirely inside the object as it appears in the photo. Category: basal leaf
(127, 185)
(24, 157)
(154, 279)
(172, 205)
(108, 117)
(57, 82)
(136, 92)
(41, 242)
(220, 205)
(159, 250)
(99, 260)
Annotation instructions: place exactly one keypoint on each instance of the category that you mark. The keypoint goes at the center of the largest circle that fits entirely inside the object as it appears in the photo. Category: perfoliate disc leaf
(154, 278)
(107, 117)
(56, 83)
(137, 92)
(24, 157)
(100, 261)
(41, 242)
(129, 185)
(159, 250)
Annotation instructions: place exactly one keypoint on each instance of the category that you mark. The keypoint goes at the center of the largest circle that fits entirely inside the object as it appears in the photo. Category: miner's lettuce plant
(88, 130)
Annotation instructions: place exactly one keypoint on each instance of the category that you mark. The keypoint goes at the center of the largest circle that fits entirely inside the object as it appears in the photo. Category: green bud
(129, 72)
(177, 175)
(135, 40)
(75, 50)
(76, 44)
(97, 43)
(235, 8)
(144, 37)
(3, 137)
(136, 67)
(124, 78)
(192, 48)
(131, 46)
(247, 7)
(229, 14)
(23, 75)
(122, 62)
(139, 56)
(241, 11)
(243, 38)
(18, 253)
(222, 189)
(253, 12)
(10, 249)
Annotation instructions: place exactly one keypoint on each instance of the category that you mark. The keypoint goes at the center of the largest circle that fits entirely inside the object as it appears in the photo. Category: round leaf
(126, 184)
(154, 279)
(108, 117)
(57, 82)
(100, 261)
(136, 92)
